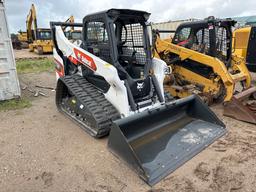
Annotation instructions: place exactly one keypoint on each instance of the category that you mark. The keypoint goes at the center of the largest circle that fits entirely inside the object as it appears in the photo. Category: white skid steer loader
(110, 84)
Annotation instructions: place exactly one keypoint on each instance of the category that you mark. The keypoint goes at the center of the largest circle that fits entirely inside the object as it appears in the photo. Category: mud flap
(242, 106)
(158, 141)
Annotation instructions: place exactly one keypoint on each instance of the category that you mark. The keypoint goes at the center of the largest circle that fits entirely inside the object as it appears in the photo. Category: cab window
(182, 35)
(96, 32)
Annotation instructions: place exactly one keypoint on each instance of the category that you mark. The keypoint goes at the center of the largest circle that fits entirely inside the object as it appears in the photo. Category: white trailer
(9, 83)
(169, 26)
(166, 26)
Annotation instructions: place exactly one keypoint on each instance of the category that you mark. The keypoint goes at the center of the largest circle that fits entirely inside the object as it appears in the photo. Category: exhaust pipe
(157, 141)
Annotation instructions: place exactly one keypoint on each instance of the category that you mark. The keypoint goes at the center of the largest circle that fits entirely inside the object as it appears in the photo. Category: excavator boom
(71, 19)
(31, 24)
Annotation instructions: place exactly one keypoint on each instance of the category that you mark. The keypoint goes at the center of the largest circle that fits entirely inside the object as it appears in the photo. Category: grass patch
(14, 104)
(35, 65)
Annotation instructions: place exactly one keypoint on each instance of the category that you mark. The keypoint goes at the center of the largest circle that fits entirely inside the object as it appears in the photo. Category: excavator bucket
(158, 141)
(242, 106)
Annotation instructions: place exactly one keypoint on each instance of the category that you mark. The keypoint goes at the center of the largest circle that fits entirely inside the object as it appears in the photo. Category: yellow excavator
(72, 34)
(200, 55)
(244, 42)
(71, 19)
(39, 38)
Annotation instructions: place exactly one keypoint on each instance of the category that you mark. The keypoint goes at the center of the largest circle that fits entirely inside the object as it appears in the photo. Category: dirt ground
(41, 150)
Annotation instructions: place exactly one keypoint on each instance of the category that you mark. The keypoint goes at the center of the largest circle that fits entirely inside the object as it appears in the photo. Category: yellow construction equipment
(200, 55)
(23, 36)
(71, 19)
(19, 40)
(72, 34)
(244, 42)
(23, 39)
(39, 38)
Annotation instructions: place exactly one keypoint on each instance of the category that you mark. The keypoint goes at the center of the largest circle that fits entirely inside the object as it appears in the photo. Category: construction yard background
(42, 150)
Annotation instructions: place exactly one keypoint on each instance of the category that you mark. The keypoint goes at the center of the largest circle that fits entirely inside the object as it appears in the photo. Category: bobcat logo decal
(140, 86)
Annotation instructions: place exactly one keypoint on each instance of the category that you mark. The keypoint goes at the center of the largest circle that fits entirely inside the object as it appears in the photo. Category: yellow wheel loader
(200, 55)
(111, 84)
(23, 38)
(244, 42)
(19, 41)
(39, 38)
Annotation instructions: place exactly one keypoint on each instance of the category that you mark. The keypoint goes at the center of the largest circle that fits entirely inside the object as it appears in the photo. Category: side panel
(100, 67)
(9, 85)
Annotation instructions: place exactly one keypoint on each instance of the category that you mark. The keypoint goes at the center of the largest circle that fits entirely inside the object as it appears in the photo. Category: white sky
(161, 10)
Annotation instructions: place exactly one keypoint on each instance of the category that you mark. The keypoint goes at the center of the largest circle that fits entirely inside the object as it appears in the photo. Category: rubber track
(95, 102)
(99, 97)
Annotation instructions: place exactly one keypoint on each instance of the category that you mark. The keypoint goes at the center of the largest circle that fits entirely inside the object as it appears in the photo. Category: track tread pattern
(100, 109)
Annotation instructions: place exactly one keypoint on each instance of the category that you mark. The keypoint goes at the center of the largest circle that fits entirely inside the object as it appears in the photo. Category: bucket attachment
(242, 106)
(157, 141)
